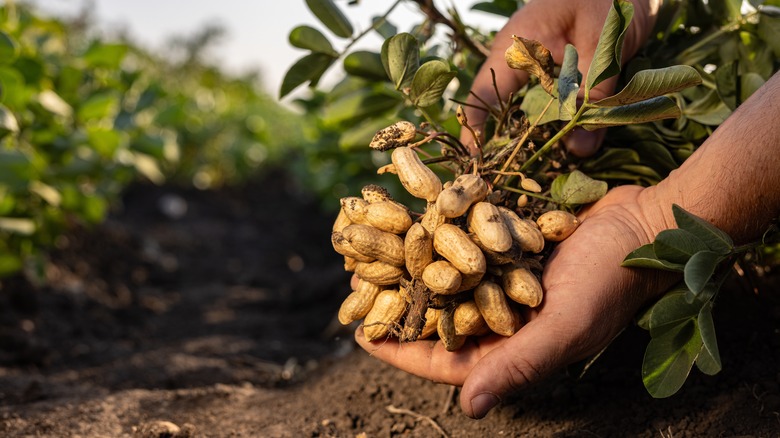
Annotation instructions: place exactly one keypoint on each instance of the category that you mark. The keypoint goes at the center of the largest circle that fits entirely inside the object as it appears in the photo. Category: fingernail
(481, 404)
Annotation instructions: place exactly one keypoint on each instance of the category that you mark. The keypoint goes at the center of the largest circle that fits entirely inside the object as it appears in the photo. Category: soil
(211, 313)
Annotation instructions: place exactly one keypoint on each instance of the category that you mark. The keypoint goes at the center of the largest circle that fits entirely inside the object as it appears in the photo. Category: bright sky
(256, 30)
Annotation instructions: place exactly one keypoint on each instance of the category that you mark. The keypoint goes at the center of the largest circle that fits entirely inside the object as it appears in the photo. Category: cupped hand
(589, 298)
(556, 23)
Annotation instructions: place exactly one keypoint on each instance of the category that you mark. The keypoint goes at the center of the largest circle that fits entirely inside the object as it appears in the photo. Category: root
(419, 417)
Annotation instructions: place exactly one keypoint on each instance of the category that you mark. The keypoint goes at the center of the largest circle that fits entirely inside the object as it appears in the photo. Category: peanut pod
(487, 223)
(441, 277)
(374, 193)
(557, 225)
(494, 258)
(454, 244)
(341, 221)
(417, 178)
(523, 231)
(522, 286)
(396, 135)
(418, 250)
(379, 273)
(456, 199)
(432, 218)
(446, 330)
(467, 319)
(388, 216)
(494, 308)
(359, 302)
(355, 209)
(381, 245)
(343, 247)
(431, 323)
(387, 310)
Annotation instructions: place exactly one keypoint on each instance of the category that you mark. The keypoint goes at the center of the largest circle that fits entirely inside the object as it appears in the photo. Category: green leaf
(768, 30)
(307, 69)
(366, 65)
(607, 57)
(715, 239)
(647, 84)
(104, 141)
(577, 188)
(750, 82)
(644, 257)
(709, 110)
(429, 83)
(708, 361)
(535, 101)
(307, 37)
(9, 49)
(677, 245)
(8, 123)
(9, 264)
(699, 270)
(504, 8)
(98, 106)
(672, 310)
(656, 155)
(649, 110)
(669, 358)
(568, 84)
(331, 16)
(357, 106)
(105, 55)
(401, 59)
(611, 158)
(383, 27)
(727, 83)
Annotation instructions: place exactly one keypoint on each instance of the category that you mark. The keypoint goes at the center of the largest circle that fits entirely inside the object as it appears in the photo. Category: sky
(256, 37)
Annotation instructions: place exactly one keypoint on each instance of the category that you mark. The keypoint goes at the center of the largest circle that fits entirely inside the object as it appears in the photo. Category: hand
(556, 23)
(580, 314)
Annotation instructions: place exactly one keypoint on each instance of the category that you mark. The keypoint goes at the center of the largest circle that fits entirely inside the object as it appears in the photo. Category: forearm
(733, 179)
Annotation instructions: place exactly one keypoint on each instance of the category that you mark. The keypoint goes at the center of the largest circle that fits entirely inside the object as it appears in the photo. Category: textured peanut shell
(454, 244)
(417, 178)
(470, 281)
(431, 323)
(522, 286)
(432, 218)
(557, 225)
(467, 319)
(355, 209)
(398, 134)
(494, 308)
(523, 231)
(418, 250)
(374, 193)
(487, 223)
(387, 310)
(343, 247)
(349, 264)
(441, 277)
(381, 245)
(359, 302)
(388, 216)
(379, 273)
(530, 185)
(341, 221)
(446, 330)
(456, 199)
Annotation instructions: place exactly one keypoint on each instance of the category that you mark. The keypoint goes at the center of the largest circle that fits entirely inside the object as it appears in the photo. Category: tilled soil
(210, 314)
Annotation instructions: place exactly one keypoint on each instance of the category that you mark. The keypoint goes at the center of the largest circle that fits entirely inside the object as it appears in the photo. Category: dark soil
(219, 321)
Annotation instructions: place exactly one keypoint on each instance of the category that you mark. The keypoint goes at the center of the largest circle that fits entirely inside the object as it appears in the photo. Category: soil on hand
(212, 313)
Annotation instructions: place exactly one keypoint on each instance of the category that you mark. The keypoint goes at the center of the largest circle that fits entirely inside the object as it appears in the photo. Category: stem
(565, 130)
(726, 28)
(428, 8)
(522, 142)
(373, 26)
(526, 192)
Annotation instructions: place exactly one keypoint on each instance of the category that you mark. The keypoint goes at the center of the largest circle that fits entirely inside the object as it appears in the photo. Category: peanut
(387, 310)
(343, 247)
(417, 178)
(523, 231)
(456, 199)
(355, 209)
(398, 134)
(446, 329)
(470, 281)
(486, 222)
(431, 323)
(441, 277)
(467, 319)
(341, 221)
(522, 286)
(388, 216)
(557, 225)
(454, 244)
(418, 250)
(359, 302)
(499, 258)
(378, 272)
(381, 245)
(374, 193)
(349, 264)
(432, 218)
(492, 304)
(530, 185)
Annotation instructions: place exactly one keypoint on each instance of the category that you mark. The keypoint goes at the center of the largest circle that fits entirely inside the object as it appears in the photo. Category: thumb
(533, 353)
(580, 142)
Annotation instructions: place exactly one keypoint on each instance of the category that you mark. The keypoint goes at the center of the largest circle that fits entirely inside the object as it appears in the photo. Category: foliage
(703, 60)
(81, 117)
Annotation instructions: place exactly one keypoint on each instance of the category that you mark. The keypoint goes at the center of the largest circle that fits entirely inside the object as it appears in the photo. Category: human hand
(556, 23)
(580, 314)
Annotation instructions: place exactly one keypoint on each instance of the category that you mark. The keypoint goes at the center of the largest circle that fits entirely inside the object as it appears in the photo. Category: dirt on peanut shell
(211, 313)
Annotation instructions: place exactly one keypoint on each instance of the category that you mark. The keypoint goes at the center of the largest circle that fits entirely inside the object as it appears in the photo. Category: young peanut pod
(343, 247)
(398, 134)
(557, 225)
(381, 245)
(492, 305)
(379, 273)
(374, 193)
(388, 216)
(359, 302)
(341, 221)
(467, 319)
(355, 209)
(432, 218)
(441, 277)
(418, 250)
(523, 231)
(456, 199)
(522, 286)
(446, 330)
(454, 244)
(417, 178)
(431, 323)
(486, 222)
(531, 185)
(387, 310)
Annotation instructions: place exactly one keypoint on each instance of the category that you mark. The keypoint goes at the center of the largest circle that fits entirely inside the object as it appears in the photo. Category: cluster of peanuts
(459, 269)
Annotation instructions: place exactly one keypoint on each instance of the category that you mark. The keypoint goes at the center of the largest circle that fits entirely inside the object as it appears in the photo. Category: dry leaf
(531, 56)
